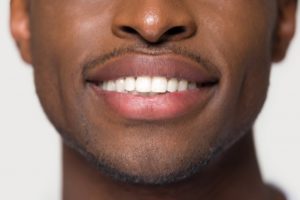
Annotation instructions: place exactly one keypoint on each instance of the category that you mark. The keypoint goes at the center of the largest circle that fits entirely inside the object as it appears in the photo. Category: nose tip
(154, 23)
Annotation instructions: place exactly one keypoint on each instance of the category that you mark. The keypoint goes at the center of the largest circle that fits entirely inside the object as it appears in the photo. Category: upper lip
(137, 64)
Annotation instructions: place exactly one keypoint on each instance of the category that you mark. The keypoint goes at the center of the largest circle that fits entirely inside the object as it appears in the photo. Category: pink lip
(157, 107)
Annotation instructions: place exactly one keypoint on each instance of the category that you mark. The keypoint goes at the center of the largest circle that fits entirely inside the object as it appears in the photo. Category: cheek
(253, 91)
(61, 36)
(240, 43)
(249, 70)
(58, 96)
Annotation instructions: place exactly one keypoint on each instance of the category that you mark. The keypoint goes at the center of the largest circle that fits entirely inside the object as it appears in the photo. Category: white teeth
(111, 86)
(130, 84)
(159, 84)
(104, 86)
(182, 85)
(143, 84)
(147, 84)
(192, 86)
(172, 85)
(120, 85)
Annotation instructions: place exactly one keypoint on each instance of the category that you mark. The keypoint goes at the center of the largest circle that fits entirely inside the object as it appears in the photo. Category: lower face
(145, 136)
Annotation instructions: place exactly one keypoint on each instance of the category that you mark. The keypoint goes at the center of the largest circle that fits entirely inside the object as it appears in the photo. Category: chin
(146, 165)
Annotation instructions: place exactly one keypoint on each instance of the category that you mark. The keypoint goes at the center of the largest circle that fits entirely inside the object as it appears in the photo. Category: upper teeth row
(147, 84)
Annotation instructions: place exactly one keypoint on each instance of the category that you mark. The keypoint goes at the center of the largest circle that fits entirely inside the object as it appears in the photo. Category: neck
(234, 175)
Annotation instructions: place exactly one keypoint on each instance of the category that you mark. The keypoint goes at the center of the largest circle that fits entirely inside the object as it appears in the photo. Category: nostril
(177, 30)
(163, 36)
(128, 29)
(153, 34)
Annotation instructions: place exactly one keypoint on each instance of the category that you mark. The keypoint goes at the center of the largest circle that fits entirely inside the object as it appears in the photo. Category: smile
(142, 87)
(146, 85)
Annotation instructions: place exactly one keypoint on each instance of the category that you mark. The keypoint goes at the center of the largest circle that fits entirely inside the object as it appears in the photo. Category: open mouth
(143, 87)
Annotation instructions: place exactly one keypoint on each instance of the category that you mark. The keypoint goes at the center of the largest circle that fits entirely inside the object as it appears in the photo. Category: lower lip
(156, 107)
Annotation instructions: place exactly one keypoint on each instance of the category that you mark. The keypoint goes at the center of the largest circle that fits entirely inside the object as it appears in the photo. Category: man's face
(225, 47)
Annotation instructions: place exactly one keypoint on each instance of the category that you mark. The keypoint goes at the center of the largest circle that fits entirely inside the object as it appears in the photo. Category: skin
(241, 38)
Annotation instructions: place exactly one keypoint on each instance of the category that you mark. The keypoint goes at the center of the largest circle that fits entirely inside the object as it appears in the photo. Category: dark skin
(241, 38)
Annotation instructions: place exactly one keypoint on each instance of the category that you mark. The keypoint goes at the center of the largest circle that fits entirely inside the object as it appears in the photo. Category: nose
(153, 21)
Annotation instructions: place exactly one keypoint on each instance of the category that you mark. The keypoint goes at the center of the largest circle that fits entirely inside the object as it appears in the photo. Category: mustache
(101, 59)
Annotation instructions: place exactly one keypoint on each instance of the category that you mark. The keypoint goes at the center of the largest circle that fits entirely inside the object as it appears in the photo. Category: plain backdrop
(30, 148)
